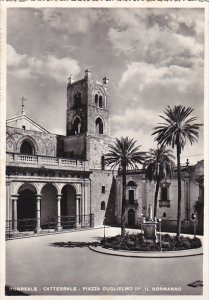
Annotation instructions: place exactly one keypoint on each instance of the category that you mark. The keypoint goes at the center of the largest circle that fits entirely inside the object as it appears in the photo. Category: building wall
(44, 143)
(96, 148)
(106, 179)
(144, 195)
(75, 146)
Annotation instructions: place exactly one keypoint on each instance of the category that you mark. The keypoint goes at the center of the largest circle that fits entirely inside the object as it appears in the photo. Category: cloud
(145, 85)
(158, 36)
(26, 67)
(13, 58)
(137, 123)
(80, 20)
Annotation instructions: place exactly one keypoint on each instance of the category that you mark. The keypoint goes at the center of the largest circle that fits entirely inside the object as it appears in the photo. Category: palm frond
(177, 127)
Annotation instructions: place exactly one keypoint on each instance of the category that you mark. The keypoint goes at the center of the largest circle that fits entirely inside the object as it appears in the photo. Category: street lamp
(160, 233)
(193, 217)
(104, 226)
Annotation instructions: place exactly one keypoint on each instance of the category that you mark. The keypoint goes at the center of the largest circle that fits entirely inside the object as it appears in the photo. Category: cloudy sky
(153, 58)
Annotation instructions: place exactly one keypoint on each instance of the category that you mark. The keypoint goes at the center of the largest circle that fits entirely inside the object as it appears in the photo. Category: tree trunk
(179, 191)
(123, 217)
(156, 196)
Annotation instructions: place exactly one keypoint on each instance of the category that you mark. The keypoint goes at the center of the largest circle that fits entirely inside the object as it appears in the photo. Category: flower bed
(136, 242)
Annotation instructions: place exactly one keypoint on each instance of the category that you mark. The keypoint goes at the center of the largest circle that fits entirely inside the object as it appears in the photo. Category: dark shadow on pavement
(74, 244)
(9, 291)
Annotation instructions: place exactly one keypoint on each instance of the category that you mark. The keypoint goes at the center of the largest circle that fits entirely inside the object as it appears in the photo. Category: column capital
(38, 195)
(59, 196)
(78, 196)
(15, 196)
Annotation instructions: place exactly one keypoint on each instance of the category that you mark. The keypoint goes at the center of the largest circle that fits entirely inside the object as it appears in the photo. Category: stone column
(77, 224)
(38, 214)
(59, 227)
(14, 217)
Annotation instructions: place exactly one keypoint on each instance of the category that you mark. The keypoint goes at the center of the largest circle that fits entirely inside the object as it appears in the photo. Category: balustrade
(44, 160)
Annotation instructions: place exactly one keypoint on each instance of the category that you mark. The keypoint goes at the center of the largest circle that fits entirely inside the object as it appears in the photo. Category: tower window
(77, 99)
(103, 162)
(99, 126)
(102, 205)
(77, 126)
(103, 189)
(100, 101)
(96, 99)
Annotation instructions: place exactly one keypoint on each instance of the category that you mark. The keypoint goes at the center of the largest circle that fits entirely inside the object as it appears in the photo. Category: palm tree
(124, 154)
(175, 131)
(159, 165)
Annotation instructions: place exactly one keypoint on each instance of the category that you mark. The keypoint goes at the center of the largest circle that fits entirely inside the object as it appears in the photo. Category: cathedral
(57, 183)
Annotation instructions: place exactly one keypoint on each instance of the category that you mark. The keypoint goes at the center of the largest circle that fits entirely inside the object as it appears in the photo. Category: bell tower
(88, 106)
(87, 118)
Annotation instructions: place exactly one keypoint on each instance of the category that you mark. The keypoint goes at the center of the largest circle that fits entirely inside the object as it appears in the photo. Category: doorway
(131, 218)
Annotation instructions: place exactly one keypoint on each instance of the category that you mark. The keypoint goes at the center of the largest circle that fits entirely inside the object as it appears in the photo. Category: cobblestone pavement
(47, 265)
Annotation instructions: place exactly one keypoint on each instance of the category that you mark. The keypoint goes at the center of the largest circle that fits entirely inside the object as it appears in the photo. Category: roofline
(25, 116)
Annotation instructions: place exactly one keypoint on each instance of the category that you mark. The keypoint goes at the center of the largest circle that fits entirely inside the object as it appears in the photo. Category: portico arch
(69, 206)
(48, 205)
(26, 207)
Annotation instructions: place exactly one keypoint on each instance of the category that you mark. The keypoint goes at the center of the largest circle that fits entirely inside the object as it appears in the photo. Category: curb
(151, 254)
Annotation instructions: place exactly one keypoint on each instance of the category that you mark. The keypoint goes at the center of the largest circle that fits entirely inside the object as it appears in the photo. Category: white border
(108, 4)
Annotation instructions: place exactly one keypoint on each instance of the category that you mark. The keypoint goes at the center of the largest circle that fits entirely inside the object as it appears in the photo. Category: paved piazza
(38, 267)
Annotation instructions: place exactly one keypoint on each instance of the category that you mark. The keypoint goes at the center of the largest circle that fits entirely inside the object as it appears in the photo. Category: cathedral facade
(56, 183)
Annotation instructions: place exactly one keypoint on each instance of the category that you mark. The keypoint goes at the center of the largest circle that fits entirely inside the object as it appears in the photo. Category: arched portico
(44, 206)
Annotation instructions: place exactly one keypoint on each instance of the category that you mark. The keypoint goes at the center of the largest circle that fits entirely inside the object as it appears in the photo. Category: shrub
(185, 244)
(165, 245)
(195, 243)
(130, 243)
(135, 242)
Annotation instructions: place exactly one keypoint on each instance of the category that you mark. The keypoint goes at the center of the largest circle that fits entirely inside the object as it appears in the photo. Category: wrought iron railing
(27, 227)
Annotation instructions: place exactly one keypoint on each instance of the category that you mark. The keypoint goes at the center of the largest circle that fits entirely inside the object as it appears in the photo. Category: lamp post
(160, 233)
(193, 217)
(104, 226)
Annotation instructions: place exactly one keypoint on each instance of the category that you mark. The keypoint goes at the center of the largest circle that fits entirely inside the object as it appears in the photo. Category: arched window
(131, 183)
(99, 126)
(77, 126)
(100, 101)
(26, 148)
(102, 205)
(131, 191)
(96, 99)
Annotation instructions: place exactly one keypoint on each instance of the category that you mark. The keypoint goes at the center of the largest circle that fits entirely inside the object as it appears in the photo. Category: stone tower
(88, 119)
